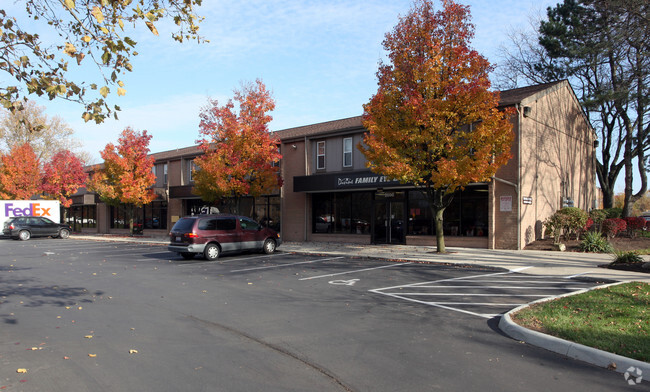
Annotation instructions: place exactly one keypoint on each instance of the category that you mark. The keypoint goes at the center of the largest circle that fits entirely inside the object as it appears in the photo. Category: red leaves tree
(240, 155)
(126, 176)
(63, 175)
(20, 173)
(433, 122)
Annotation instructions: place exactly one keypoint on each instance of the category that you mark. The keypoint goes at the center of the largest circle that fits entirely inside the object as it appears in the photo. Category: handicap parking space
(484, 295)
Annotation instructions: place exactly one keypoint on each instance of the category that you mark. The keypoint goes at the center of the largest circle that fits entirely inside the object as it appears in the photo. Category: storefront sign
(363, 180)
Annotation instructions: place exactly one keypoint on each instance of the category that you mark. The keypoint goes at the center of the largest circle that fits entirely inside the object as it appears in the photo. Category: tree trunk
(130, 209)
(440, 235)
(439, 200)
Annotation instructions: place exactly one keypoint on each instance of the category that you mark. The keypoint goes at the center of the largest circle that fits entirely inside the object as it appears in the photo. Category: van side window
(226, 224)
(208, 224)
(247, 224)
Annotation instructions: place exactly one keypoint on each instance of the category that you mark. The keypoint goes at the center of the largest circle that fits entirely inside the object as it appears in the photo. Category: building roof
(517, 95)
(316, 129)
(507, 98)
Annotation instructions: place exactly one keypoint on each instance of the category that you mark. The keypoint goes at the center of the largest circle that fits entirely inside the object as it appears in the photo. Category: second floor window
(347, 152)
(165, 173)
(320, 155)
(192, 168)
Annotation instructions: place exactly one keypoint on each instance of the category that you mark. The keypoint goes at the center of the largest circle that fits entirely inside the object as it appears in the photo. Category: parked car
(26, 227)
(212, 235)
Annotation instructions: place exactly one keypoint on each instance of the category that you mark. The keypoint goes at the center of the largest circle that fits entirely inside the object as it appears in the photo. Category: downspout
(306, 195)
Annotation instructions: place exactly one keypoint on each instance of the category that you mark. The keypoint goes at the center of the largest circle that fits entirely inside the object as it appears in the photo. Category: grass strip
(614, 319)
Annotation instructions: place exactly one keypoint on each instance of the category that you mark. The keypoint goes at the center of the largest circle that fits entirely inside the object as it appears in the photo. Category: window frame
(320, 166)
(347, 153)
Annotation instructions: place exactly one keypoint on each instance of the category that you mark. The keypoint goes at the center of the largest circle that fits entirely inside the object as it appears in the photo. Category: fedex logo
(34, 209)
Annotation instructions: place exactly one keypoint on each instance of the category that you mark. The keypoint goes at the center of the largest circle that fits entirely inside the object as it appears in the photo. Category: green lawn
(614, 319)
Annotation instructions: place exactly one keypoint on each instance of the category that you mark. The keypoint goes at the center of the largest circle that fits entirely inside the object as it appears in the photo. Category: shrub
(627, 257)
(611, 227)
(594, 242)
(613, 213)
(634, 224)
(598, 216)
(569, 221)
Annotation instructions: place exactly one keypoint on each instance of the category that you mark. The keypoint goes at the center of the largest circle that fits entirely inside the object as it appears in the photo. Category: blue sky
(318, 57)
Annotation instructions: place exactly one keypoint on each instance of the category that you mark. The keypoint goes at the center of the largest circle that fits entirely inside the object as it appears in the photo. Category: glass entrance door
(389, 223)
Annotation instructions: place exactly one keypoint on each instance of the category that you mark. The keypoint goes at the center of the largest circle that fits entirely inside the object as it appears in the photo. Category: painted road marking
(466, 284)
(350, 282)
(354, 271)
(286, 265)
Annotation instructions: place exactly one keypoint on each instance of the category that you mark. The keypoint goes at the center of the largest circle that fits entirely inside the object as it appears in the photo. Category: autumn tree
(63, 175)
(80, 32)
(46, 135)
(433, 123)
(126, 176)
(20, 173)
(240, 155)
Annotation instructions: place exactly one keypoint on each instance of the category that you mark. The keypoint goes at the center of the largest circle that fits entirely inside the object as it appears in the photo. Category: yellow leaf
(92, 355)
(97, 13)
(70, 50)
(133, 351)
(21, 371)
(69, 4)
(104, 91)
(88, 336)
(121, 91)
(86, 38)
(152, 27)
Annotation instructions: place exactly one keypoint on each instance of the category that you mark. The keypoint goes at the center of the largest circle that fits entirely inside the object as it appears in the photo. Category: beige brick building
(329, 195)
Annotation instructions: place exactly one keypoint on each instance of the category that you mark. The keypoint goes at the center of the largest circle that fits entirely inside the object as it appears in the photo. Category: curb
(567, 348)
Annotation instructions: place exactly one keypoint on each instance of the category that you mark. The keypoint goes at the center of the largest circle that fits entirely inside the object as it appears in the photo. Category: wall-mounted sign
(505, 204)
(527, 200)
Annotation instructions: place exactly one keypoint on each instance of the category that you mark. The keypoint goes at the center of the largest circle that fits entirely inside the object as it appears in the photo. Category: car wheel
(187, 255)
(211, 252)
(24, 235)
(63, 233)
(269, 246)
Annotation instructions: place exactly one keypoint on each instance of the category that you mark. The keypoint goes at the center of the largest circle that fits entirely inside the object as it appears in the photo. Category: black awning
(342, 181)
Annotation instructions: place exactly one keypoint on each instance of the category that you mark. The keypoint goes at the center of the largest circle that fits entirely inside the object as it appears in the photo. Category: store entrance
(389, 223)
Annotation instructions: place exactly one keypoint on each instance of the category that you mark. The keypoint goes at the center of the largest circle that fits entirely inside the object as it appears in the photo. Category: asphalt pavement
(583, 266)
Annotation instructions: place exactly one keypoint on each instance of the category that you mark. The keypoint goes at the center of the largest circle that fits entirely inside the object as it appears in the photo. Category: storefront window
(419, 214)
(79, 217)
(466, 216)
(345, 213)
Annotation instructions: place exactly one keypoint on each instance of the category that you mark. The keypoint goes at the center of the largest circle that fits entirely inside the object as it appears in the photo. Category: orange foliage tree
(126, 176)
(433, 122)
(63, 175)
(240, 154)
(20, 173)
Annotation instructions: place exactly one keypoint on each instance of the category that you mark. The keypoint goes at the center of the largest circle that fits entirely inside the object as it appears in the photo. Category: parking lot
(275, 322)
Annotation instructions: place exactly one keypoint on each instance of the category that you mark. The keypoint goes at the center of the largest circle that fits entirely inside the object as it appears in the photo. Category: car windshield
(184, 224)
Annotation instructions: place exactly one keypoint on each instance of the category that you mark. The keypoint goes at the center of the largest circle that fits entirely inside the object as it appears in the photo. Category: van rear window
(184, 225)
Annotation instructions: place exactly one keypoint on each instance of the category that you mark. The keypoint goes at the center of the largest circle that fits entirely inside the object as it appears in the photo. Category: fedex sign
(47, 208)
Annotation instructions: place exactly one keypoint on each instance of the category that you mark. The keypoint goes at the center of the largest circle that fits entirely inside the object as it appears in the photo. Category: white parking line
(454, 283)
(247, 258)
(286, 265)
(354, 271)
